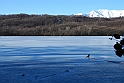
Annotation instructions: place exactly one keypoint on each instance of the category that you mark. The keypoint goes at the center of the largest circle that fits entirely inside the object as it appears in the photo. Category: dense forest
(59, 25)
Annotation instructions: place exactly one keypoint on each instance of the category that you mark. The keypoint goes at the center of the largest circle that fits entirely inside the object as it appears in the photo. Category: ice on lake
(36, 46)
(59, 59)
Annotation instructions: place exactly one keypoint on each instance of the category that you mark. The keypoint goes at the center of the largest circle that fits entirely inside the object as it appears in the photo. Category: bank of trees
(61, 25)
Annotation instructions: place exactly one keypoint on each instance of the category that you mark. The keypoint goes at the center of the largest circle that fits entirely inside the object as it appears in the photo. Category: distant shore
(61, 25)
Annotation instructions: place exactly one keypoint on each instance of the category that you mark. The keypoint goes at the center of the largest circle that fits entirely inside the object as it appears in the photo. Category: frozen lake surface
(34, 47)
(59, 59)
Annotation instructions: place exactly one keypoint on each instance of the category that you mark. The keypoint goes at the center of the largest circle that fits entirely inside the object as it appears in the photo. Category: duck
(88, 56)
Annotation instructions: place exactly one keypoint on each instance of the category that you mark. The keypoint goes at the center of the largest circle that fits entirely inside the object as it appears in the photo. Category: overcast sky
(63, 7)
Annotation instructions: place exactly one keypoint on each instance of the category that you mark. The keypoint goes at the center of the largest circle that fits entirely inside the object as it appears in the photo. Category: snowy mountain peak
(106, 13)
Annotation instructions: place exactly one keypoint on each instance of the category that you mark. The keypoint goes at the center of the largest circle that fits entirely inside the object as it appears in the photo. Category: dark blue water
(32, 47)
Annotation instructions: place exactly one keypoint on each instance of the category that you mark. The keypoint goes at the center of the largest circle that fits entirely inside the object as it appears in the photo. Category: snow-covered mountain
(104, 13)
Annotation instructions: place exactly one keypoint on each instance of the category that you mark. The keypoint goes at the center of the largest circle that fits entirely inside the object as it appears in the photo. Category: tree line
(59, 25)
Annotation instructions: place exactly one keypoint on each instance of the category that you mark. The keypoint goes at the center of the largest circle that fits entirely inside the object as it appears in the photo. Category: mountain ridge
(104, 13)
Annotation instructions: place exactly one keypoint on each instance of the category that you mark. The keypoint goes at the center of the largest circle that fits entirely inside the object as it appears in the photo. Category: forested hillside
(59, 25)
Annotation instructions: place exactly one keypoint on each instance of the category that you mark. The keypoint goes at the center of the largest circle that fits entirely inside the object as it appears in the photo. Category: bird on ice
(88, 56)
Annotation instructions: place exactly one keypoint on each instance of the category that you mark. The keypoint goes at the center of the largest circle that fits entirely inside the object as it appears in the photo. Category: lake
(59, 59)
(33, 47)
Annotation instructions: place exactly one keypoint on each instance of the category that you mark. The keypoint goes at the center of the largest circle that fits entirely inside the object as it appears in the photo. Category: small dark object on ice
(110, 38)
(66, 70)
(23, 75)
(88, 56)
(117, 36)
